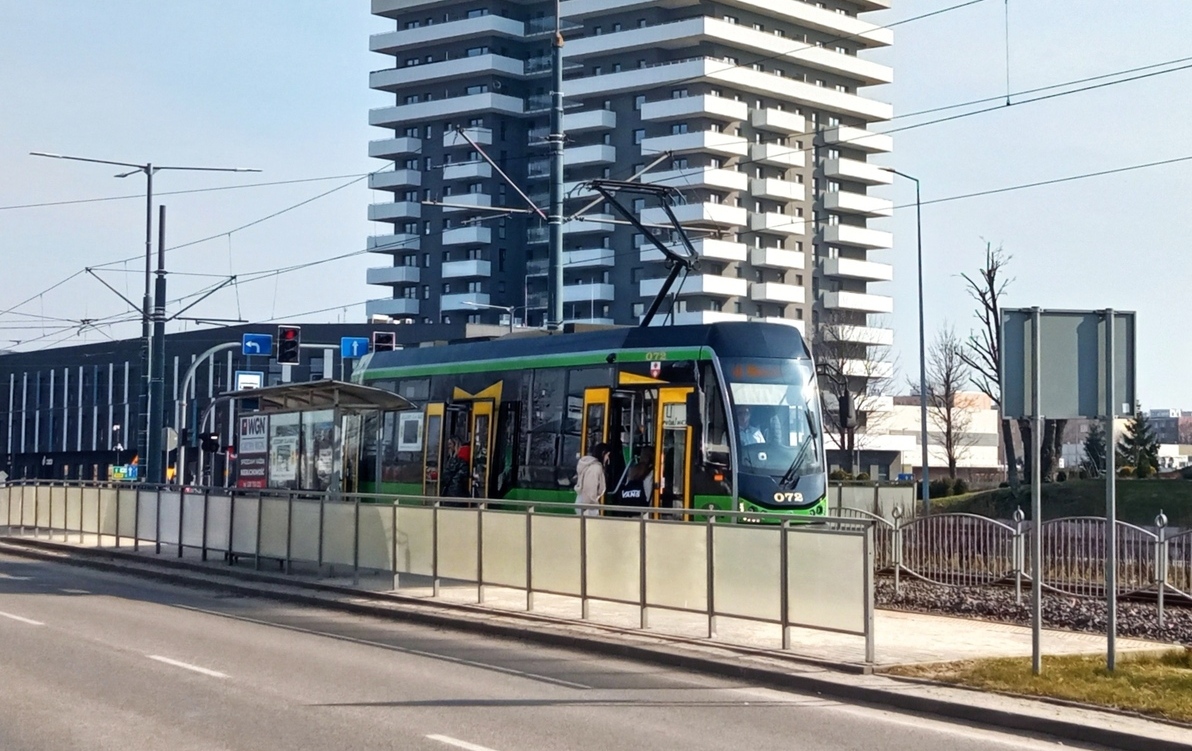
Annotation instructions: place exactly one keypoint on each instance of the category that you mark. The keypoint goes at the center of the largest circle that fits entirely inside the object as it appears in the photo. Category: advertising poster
(252, 446)
(409, 431)
(283, 450)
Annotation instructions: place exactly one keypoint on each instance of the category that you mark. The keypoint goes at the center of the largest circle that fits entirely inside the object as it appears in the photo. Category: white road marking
(15, 578)
(393, 647)
(21, 619)
(943, 726)
(187, 666)
(75, 591)
(458, 743)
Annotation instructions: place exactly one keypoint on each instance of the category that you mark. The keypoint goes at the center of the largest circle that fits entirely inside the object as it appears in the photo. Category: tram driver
(747, 433)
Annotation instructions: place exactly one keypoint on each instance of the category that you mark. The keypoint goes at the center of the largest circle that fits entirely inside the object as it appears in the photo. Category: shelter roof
(325, 394)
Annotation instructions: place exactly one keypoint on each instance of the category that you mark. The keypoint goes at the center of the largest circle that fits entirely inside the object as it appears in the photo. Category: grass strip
(1158, 684)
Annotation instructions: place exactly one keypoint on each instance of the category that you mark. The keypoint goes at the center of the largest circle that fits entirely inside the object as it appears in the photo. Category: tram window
(416, 390)
(715, 418)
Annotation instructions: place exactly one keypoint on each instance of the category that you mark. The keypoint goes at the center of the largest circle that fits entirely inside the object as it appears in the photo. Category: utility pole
(554, 313)
(155, 461)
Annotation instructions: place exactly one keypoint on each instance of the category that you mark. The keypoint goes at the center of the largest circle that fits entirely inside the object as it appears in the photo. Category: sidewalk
(818, 662)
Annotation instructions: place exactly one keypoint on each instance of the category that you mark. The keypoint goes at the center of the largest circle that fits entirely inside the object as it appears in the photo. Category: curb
(418, 611)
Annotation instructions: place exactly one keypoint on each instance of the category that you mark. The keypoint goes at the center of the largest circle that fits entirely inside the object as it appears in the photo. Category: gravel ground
(1135, 619)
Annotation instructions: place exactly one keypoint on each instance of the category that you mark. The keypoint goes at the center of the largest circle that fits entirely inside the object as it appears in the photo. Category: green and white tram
(727, 415)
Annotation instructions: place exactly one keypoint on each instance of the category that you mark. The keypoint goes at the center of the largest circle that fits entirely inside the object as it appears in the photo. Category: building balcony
(475, 170)
(389, 148)
(463, 301)
(585, 292)
(441, 109)
(698, 285)
(394, 212)
(859, 301)
(587, 258)
(783, 224)
(777, 190)
(775, 292)
(391, 306)
(466, 269)
(703, 140)
(705, 248)
(589, 120)
(482, 136)
(395, 79)
(397, 179)
(396, 276)
(700, 177)
(694, 32)
(580, 156)
(859, 139)
(698, 215)
(871, 369)
(851, 268)
(777, 154)
(778, 121)
(397, 42)
(703, 106)
(697, 317)
(393, 244)
(777, 258)
(859, 335)
(856, 171)
(857, 237)
(466, 202)
(475, 235)
(847, 202)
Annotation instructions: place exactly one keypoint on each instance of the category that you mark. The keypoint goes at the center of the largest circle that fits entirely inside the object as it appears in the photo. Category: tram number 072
(788, 497)
(655, 356)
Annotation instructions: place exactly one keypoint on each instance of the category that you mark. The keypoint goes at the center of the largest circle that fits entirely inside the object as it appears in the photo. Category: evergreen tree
(1094, 450)
(1138, 447)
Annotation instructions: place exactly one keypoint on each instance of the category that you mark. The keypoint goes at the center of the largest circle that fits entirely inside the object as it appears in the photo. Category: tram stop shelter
(307, 436)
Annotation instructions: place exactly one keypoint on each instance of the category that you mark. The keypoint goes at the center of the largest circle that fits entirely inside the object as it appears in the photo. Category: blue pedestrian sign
(257, 344)
(351, 347)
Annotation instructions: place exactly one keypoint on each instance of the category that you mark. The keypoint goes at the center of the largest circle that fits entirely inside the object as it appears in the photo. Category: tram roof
(325, 394)
(728, 339)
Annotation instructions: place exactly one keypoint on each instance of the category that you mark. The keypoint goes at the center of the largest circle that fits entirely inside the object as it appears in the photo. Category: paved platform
(901, 638)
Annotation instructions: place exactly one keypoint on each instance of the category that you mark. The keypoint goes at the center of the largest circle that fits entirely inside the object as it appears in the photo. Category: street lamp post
(152, 391)
(507, 308)
(922, 343)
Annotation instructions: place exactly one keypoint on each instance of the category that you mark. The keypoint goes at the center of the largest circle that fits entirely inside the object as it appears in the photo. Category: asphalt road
(91, 660)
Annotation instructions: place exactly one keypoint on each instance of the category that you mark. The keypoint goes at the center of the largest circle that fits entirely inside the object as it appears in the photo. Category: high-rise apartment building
(754, 108)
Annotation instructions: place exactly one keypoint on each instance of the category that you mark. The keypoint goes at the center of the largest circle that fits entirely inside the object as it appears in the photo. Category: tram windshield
(775, 411)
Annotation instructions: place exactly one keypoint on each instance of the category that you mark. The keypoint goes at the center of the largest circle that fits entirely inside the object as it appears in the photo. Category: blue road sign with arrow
(351, 347)
(257, 344)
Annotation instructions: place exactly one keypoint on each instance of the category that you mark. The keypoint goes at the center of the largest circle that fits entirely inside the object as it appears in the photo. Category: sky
(282, 86)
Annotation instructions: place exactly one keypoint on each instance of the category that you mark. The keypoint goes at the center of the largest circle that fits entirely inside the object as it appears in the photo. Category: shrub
(862, 475)
(941, 488)
(960, 487)
(1061, 476)
(1125, 471)
(1004, 484)
(839, 475)
(1186, 472)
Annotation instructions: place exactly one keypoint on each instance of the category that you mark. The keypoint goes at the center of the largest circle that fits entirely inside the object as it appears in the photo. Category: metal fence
(965, 550)
(810, 576)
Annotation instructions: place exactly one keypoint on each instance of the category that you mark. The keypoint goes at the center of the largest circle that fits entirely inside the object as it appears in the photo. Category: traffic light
(209, 442)
(289, 344)
(384, 341)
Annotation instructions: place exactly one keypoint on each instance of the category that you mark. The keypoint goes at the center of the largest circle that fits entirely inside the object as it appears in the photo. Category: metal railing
(790, 575)
(966, 550)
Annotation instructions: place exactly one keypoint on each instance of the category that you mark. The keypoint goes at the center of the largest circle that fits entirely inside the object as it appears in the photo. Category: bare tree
(851, 370)
(950, 412)
(983, 347)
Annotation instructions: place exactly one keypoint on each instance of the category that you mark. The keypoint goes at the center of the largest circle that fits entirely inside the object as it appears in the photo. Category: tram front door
(672, 450)
(473, 425)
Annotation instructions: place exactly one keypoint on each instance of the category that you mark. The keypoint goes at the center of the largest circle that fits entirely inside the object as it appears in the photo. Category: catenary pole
(555, 217)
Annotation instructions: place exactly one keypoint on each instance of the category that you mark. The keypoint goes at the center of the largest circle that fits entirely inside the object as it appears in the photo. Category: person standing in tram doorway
(638, 487)
(454, 479)
(590, 482)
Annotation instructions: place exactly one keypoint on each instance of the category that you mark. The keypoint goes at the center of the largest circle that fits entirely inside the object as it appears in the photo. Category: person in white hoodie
(590, 483)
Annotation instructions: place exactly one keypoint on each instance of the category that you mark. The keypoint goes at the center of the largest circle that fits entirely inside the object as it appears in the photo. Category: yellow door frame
(439, 410)
(666, 396)
(601, 395)
(482, 408)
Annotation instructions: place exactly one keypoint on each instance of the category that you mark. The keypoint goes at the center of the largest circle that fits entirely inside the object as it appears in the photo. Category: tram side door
(432, 448)
(594, 429)
(672, 450)
(484, 427)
